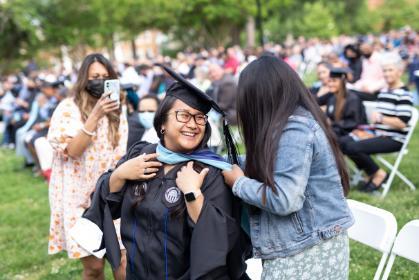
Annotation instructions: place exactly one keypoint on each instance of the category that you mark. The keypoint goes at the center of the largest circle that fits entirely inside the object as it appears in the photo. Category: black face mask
(95, 87)
(367, 55)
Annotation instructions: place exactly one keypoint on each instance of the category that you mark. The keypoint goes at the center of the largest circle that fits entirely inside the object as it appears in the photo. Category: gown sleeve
(215, 234)
(322, 100)
(106, 207)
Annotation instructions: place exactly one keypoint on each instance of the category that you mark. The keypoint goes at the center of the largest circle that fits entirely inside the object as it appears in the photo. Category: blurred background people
(390, 126)
(140, 123)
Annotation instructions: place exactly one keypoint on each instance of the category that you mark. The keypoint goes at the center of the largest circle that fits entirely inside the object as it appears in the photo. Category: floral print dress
(73, 180)
(328, 260)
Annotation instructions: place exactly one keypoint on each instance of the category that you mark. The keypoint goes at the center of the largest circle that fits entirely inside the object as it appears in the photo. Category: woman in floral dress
(88, 133)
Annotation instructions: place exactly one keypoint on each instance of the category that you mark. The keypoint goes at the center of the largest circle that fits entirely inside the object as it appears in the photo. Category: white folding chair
(403, 151)
(373, 227)
(370, 107)
(254, 268)
(406, 245)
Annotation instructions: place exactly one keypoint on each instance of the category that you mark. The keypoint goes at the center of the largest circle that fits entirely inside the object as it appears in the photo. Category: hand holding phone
(113, 87)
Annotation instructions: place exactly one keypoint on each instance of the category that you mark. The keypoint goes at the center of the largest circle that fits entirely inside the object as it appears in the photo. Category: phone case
(113, 87)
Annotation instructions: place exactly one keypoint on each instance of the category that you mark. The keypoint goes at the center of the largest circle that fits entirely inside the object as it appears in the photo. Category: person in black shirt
(344, 109)
(353, 55)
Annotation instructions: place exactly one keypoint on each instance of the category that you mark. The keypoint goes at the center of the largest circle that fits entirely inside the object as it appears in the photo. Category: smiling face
(334, 85)
(323, 73)
(392, 74)
(182, 137)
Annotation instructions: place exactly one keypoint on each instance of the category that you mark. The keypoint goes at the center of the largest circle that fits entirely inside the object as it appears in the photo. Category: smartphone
(113, 87)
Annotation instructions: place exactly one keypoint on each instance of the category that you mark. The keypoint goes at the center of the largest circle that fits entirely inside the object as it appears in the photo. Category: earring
(162, 131)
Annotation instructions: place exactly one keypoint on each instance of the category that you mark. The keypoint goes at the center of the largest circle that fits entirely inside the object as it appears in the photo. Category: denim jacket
(309, 206)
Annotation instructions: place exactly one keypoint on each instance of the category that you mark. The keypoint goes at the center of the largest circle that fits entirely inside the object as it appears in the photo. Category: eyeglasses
(185, 117)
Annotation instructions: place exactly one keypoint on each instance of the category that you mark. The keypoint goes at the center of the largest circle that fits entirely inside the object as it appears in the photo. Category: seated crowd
(349, 72)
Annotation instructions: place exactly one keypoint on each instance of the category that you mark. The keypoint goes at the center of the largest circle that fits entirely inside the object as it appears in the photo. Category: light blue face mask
(146, 119)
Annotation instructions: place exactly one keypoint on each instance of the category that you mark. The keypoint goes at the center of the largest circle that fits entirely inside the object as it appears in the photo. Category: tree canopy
(28, 26)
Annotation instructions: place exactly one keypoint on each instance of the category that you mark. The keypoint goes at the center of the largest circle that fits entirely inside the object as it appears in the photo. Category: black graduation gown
(353, 114)
(135, 129)
(161, 240)
(322, 100)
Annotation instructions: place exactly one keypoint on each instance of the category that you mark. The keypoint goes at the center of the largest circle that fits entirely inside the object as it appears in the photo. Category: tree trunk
(259, 24)
(235, 35)
(250, 32)
(111, 47)
(134, 49)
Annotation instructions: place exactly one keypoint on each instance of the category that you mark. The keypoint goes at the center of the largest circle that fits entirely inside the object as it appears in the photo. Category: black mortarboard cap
(338, 72)
(185, 91)
(190, 94)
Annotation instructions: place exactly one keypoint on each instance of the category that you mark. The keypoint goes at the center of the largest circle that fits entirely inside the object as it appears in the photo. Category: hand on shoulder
(142, 167)
(230, 176)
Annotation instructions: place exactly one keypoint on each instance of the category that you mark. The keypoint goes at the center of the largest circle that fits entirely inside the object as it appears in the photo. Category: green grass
(24, 224)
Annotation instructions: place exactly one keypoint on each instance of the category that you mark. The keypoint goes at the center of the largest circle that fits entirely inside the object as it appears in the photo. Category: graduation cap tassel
(230, 144)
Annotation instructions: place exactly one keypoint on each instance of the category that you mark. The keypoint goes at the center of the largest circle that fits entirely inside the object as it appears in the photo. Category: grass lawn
(24, 223)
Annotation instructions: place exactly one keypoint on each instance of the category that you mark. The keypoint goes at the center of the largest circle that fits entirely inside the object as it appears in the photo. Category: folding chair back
(373, 227)
(403, 151)
(370, 107)
(254, 268)
(406, 245)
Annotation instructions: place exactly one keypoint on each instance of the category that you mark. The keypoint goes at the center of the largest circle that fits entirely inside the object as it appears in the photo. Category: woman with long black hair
(295, 178)
(344, 109)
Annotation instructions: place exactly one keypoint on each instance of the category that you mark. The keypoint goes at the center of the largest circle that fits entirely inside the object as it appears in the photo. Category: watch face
(190, 196)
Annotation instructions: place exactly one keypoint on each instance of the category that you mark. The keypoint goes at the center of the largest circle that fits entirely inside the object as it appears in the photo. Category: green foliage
(399, 13)
(313, 20)
(203, 23)
(352, 16)
(317, 21)
(322, 18)
(27, 26)
(18, 32)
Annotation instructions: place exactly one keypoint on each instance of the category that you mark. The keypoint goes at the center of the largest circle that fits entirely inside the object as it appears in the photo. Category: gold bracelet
(88, 132)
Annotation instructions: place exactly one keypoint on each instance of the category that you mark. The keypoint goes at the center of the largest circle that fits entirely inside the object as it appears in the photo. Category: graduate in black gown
(178, 219)
(344, 108)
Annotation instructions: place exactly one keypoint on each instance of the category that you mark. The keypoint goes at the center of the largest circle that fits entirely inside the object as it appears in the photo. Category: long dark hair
(85, 102)
(340, 99)
(269, 91)
(161, 117)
